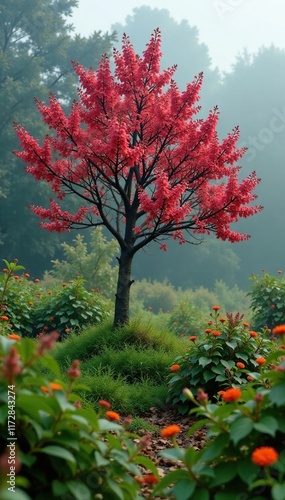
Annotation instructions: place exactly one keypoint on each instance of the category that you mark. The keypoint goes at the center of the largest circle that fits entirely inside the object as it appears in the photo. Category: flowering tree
(138, 159)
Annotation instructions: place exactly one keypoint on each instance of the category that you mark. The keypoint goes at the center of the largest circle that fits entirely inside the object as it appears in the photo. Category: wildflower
(221, 392)
(258, 398)
(208, 330)
(27, 275)
(260, 361)
(247, 325)
(138, 479)
(10, 365)
(216, 308)
(264, 456)
(37, 280)
(215, 333)
(16, 277)
(77, 404)
(73, 372)
(175, 368)
(64, 284)
(170, 431)
(104, 404)
(202, 397)
(249, 378)
(144, 442)
(231, 394)
(240, 365)
(4, 318)
(53, 386)
(210, 323)
(188, 393)
(5, 270)
(150, 479)
(193, 338)
(279, 330)
(46, 342)
(112, 415)
(31, 303)
(14, 336)
(252, 334)
(279, 271)
(223, 320)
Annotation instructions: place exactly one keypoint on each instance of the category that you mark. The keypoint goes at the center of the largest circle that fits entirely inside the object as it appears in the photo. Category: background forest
(37, 45)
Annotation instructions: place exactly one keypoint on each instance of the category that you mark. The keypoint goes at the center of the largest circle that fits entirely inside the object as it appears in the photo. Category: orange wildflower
(221, 392)
(64, 284)
(27, 275)
(215, 333)
(37, 280)
(252, 334)
(223, 320)
(216, 308)
(104, 403)
(231, 394)
(170, 431)
(174, 368)
(265, 455)
(193, 338)
(150, 479)
(246, 324)
(4, 318)
(249, 378)
(240, 365)
(260, 361)
(14, 336)
(112, 415)
(208, 330)
(279, 330)
(54, 387)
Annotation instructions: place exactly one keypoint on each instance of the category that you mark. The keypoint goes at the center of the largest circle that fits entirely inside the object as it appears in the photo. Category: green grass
(127, 367)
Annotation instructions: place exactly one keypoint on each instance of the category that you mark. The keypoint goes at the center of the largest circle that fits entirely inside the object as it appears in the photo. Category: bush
(186, 319)
(267, 300)
(154, 296)
(217, 359)
(244, 454)
(59, 449)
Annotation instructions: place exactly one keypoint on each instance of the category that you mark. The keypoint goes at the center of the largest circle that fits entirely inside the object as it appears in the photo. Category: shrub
(186, 319)
(217, 359)
(59, 449)
(154, 296)
(267, 300)
(244, 453)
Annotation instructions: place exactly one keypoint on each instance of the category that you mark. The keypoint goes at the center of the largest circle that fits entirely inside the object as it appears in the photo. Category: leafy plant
(221, 357)
(186, 319)
(59, 448)
(244, 453)
(267, 295)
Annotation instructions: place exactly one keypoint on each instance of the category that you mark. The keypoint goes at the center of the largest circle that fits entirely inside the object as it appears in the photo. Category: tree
(140, 162)
(37, 44)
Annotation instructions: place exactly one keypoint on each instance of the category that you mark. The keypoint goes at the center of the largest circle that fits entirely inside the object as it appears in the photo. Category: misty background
(36, 50)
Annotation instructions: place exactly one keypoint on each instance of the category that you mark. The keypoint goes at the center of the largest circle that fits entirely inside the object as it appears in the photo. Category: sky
(225, 26)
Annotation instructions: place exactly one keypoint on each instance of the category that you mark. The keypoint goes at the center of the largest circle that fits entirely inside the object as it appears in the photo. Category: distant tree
(36, 47)
(138, 160)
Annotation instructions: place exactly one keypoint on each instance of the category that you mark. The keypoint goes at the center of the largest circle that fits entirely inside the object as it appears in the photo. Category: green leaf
(204, 361)
(57, 451)
(197, 425)
(173, 454)
(49, 362)
(277, 394)
(216, 447)
(145, 462)
(240, 428)
(208, 375)
(79, 490)
(183, 489)
(232, 345)
(278, 492)
(247, 470)
(172, 477)
(267, 425)
(115, 488)
(58, 488)
(201, 494)
(224, 473)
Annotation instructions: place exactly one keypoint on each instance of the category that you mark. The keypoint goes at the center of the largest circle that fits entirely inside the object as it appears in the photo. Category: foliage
(154, 296)
(267, 296)
(133, 172)
(28, 309)
(186, 319)
(60, 449)
(244, 452)
(91, 262)
(217, 359)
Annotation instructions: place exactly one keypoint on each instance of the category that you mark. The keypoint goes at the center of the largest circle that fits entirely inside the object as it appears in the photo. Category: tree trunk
(122, 302)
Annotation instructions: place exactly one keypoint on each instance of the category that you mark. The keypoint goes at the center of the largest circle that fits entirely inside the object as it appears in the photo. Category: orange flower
(170, 431)
(150, 479)
(231, 394)
(279, 330)
(37, 280)
(64, 284)
(249, 378)
(247, 325)
(14, 336)
(221, 392)
(104, 404)
(193, 338)
(208, 330)
(4, 318)
(223, 320)
(175, 368)
(252, 334)
(112, 415)
(260, 361)
(27, 275)
(240, 365)
(216, 308)
(54, 387)
(265, 455)
(215, 333)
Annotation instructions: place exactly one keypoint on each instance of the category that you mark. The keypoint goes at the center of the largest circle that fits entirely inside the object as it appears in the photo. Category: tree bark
(122, 302)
